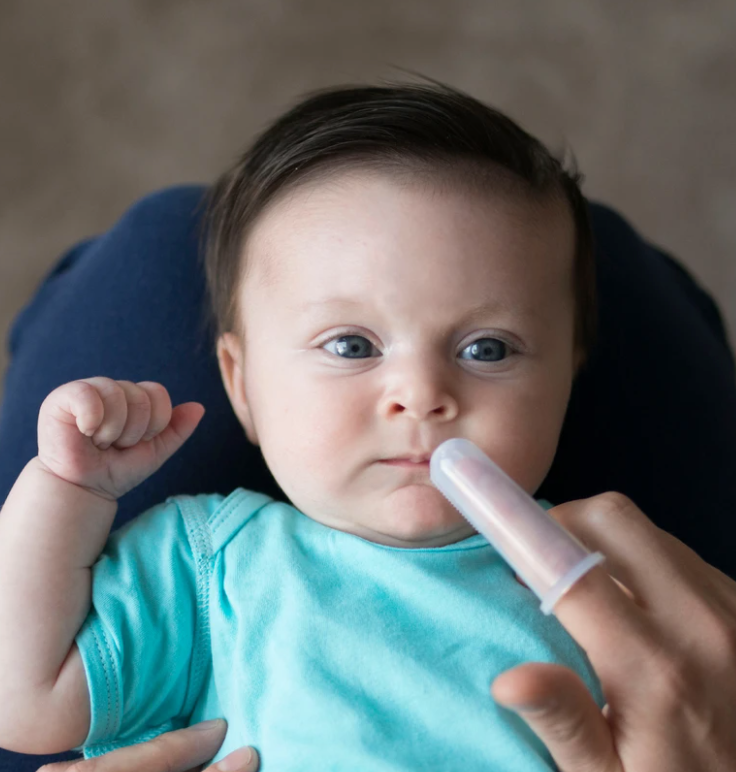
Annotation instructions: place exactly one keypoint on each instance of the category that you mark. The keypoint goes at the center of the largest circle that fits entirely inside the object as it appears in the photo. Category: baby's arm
(98, 439)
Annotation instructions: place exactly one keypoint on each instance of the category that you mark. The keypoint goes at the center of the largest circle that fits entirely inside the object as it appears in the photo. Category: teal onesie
(322, 650)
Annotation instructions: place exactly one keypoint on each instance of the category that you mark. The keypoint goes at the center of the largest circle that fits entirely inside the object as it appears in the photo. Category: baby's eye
(350, 346)
(485, 350)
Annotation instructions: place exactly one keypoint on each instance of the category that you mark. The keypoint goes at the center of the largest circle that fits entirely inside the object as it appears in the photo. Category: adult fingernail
(236, 762)
(206, 726)
(531, 709)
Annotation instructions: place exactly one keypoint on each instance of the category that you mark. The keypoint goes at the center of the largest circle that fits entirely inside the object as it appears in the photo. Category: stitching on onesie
(226, 508)
(112, 719)
(195, 522)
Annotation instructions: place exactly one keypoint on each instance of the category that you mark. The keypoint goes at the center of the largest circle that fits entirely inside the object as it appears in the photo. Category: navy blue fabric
(652, 416)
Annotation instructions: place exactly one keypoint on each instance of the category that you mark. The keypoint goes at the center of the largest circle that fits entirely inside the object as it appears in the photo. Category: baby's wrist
(52, 524)
(38, 466)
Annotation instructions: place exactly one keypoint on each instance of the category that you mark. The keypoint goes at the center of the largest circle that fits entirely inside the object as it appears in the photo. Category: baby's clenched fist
(108, 436)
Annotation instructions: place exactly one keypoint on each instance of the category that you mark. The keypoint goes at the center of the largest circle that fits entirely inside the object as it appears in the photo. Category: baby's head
(391, 267)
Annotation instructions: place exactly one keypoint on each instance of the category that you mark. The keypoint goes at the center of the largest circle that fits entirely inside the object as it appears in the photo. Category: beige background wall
(102, 101)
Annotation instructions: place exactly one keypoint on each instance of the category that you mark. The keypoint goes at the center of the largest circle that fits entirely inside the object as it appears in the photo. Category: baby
(389, 267)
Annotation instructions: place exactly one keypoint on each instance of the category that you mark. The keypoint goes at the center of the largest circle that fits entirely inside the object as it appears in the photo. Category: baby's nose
(421, 395)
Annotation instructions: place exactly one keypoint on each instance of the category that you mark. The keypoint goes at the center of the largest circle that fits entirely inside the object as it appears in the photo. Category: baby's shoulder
(220, 517)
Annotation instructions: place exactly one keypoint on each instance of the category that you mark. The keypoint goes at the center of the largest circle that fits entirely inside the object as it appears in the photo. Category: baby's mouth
(406, 463)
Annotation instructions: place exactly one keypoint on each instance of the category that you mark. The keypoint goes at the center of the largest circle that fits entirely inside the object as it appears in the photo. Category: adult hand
(185, 750)
(663, 646)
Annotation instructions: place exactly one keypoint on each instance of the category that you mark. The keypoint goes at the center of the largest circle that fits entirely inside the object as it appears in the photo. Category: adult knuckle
(613, 503)
(675, 678)
(726, 638)
(608, 507)
(594, 512)
(720, 633)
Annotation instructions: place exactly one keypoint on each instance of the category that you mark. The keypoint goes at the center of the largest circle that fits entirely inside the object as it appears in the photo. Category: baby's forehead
(349, 214)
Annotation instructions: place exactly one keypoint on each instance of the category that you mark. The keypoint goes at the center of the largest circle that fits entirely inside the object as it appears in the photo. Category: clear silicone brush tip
(548, 558)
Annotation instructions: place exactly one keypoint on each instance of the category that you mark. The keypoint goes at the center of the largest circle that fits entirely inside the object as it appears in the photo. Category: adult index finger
(618, 637)
(613, 630)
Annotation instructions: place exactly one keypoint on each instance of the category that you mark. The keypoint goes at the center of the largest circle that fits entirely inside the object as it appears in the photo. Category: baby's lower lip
(406, 462)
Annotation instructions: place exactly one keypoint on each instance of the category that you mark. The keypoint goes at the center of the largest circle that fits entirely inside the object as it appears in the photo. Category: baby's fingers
(95, 405)
(160, 415)
(184, 420)
(167, 428)
(104, 408)
(148, 412)
(138, 415)
(76, 403)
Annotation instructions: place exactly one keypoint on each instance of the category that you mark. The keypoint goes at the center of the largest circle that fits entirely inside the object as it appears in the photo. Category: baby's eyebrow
(321, 303)
(333, 299)
(483, 310)
(491, 309)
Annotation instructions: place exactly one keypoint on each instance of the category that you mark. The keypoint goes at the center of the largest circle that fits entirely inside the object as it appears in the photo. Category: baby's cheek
(319, 436)
(526, 458)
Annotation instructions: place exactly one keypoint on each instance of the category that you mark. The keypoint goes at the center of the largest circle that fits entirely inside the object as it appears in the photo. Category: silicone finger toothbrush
(547, 557)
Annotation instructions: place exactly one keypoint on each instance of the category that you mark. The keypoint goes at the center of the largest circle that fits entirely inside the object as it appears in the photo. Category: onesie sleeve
(145, 641)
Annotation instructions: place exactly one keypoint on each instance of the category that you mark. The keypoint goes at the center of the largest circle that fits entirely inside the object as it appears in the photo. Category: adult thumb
(559, 709)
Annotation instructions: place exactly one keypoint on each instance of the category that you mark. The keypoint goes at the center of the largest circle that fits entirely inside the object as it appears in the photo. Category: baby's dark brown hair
(432, 132)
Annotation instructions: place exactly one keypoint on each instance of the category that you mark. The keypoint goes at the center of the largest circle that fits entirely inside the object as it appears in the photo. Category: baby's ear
(230, 357)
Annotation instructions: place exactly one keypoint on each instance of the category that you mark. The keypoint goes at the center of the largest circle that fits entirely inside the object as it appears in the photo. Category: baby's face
(382, 319)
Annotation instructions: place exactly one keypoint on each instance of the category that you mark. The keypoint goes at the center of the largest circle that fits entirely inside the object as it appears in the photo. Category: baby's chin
(411, 516)
(415, 516)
